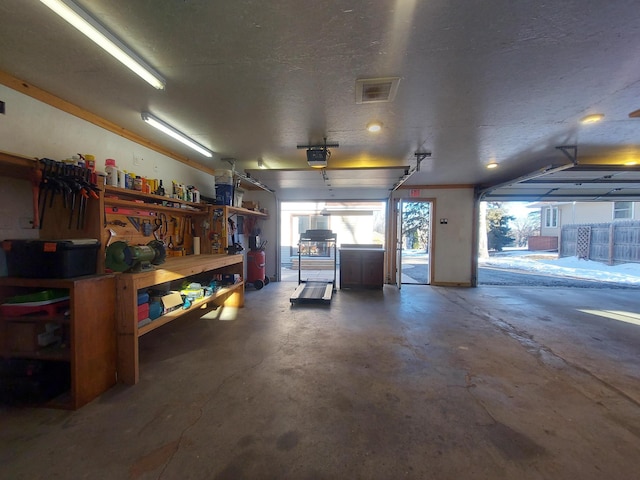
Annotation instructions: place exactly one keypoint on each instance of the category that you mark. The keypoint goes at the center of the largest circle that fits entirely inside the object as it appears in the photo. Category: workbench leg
(235, 299)
(128, 370)
(127, 330)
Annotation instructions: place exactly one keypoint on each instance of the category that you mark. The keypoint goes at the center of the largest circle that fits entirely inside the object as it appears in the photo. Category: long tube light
(172, 132)
(81, 20)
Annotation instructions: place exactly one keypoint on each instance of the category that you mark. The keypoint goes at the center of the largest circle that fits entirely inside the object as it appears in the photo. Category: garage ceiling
(479, 82)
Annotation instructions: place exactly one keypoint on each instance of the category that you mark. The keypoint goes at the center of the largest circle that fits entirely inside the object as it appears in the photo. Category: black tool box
(51, 258)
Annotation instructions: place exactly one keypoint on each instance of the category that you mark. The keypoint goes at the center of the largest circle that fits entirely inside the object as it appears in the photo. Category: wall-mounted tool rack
(138, 218)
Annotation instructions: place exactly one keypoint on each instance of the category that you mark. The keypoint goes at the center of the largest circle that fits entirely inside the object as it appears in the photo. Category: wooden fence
(613, 243)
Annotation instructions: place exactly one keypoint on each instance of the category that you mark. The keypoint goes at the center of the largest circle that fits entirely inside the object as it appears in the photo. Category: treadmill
(315, 291)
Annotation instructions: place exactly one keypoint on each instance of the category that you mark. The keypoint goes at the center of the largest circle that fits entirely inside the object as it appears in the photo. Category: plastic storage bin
(51, 258)
(224, 194)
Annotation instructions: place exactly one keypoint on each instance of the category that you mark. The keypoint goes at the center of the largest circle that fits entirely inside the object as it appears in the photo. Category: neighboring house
(554, 215)
(588, 229)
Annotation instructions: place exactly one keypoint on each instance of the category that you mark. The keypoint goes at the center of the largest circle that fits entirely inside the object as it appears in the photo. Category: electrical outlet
(156, 169)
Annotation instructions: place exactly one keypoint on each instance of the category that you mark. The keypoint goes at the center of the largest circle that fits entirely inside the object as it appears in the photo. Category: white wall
(453, 242)
(34, 129)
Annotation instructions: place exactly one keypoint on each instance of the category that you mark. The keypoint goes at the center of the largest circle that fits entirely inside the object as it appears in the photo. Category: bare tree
(524, 227)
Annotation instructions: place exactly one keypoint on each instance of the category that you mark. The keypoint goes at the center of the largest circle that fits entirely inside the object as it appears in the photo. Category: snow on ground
(544, 263)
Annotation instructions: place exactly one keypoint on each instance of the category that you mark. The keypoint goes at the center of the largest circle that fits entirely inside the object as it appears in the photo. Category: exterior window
(621, 210)
(551, 217)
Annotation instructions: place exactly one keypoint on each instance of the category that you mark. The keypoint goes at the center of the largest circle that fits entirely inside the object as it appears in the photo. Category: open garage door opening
(355, 224)
(560, 243)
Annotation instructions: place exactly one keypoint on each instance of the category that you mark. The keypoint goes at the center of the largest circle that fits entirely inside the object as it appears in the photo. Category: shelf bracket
(571, 151)
(420, 156)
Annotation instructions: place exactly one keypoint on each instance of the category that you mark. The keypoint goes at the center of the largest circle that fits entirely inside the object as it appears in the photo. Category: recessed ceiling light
(492, 165)
(374, 127)
(593, 118)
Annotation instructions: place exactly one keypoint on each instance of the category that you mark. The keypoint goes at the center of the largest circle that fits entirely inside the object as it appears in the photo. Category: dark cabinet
(361, 267)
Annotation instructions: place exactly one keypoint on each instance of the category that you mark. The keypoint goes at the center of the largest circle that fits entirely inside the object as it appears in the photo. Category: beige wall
(453, 242)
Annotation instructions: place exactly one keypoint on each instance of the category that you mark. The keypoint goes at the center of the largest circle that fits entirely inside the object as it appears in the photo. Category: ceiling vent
(376, 90)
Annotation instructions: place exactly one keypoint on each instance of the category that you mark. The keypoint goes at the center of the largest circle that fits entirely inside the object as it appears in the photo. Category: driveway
(515, 278)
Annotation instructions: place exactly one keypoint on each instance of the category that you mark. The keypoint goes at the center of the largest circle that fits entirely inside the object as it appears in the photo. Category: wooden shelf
(54, 353)
(148, 199)
(149, 207)
(239, 211)
(16, 166)
(163, 320)
(38, 318)
(90, 349)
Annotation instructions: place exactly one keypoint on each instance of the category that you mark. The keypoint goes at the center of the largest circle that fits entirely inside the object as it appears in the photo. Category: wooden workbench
(176, 268)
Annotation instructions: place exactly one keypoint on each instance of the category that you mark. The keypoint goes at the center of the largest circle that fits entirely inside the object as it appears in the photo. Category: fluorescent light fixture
(172, 132)
(593, 118)
(96, 32)
(374, 127)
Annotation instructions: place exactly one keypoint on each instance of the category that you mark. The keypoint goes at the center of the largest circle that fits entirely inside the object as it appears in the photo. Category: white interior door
(398, 208)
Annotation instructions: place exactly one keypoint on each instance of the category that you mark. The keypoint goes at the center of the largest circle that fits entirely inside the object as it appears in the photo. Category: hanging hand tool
(160, 229)
(119, 223)
(111, 235)
(84, 196)
(180, 236)
(76, 190)
(46, 186)
(89, 190)
(36, 181)
(146, 227)
(135, 222)
(187, 238)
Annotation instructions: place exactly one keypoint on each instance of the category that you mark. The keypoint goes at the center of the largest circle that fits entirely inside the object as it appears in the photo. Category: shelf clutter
(69, 325)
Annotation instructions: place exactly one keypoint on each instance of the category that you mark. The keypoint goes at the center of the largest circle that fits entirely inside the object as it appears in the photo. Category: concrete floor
(426, 383)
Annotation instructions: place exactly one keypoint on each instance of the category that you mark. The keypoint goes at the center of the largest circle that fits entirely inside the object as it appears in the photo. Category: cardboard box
(250, 205)
(170, 301)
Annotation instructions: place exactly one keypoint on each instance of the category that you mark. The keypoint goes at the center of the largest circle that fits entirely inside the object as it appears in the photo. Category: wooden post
(612, 232)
